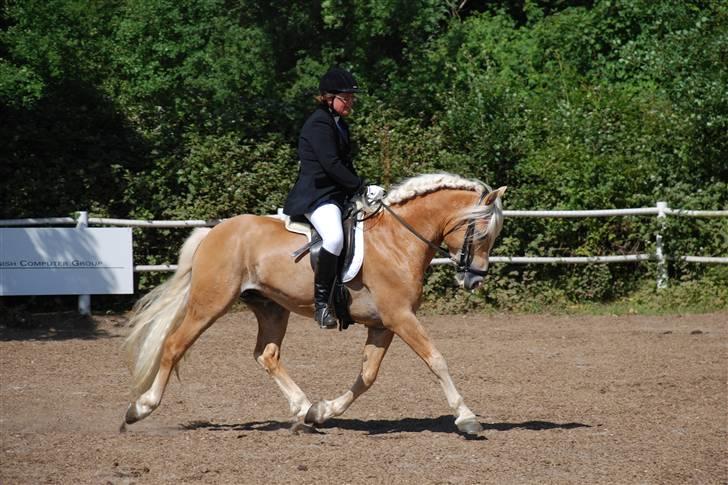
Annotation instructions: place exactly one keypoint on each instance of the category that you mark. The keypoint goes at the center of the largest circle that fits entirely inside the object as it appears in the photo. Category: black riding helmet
(338, 80)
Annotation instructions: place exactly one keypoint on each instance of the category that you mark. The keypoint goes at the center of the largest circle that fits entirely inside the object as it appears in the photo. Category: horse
(250, 255)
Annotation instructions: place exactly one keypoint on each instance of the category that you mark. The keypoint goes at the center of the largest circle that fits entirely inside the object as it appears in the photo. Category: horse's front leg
(378, 341)
(408, 328)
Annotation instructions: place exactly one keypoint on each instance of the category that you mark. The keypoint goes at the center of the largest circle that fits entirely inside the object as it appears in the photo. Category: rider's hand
(374, 193)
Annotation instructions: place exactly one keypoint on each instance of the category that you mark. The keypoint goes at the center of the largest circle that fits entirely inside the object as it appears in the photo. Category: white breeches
(327, 221)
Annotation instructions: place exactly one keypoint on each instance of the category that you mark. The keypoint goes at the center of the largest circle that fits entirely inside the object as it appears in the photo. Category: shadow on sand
(52, 326)
(442, 424)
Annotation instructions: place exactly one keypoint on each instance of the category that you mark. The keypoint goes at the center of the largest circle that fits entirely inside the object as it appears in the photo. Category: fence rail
(565, 214)
(639, 211)
(661, 210)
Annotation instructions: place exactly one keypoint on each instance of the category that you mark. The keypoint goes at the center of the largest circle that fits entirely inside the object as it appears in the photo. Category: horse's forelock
(493, 214)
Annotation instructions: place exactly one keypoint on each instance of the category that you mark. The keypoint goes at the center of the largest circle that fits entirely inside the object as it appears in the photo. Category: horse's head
(477, 229)
(469, 232)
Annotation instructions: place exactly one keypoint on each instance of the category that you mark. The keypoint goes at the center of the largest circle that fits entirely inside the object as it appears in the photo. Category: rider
(326, 178)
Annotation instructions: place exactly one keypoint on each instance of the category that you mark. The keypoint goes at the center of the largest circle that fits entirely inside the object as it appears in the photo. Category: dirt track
(562, 400)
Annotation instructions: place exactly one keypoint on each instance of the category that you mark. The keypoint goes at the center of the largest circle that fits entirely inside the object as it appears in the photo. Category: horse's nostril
(472, 281)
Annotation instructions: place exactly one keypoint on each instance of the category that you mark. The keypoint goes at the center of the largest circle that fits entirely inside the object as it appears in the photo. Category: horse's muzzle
(468, 280)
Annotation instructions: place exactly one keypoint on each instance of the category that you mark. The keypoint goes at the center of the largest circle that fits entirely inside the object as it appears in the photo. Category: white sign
(61, 261)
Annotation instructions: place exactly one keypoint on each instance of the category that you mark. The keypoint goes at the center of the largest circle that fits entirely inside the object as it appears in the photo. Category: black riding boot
(323, 282)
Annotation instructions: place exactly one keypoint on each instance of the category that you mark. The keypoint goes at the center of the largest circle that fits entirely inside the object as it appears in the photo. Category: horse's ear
(494, 194)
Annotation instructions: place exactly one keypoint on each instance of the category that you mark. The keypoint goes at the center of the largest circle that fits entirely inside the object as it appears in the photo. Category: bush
(161, 109)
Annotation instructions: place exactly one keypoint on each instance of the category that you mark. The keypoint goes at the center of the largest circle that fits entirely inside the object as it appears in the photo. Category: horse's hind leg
(378, 341)
(272, 325)
(203, 309)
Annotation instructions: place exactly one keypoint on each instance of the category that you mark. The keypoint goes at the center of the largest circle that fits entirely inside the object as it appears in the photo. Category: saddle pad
(298, 227)
(357, 259)
(351, 271)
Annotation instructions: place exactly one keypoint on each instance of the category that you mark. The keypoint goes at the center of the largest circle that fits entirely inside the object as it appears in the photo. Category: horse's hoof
(315, 414)
(470, 426)
(301, 428)
(131, 416)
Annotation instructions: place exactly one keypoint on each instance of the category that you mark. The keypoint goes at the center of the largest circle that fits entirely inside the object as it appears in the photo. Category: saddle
(349, 262)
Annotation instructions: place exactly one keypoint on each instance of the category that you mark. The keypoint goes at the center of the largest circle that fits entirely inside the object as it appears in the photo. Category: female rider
(326, 178)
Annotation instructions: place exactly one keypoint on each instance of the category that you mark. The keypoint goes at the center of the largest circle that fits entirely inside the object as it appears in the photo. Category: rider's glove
(374, 193)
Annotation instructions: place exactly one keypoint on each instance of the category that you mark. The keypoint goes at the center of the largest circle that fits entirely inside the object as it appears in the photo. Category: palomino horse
(251, 255)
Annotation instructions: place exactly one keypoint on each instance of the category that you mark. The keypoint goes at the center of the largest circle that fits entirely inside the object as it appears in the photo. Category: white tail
(156, 315)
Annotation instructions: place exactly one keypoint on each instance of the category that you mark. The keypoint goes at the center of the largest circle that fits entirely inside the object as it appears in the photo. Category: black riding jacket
(326, 172)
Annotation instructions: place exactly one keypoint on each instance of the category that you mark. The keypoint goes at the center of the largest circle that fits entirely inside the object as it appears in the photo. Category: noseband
(466, 251)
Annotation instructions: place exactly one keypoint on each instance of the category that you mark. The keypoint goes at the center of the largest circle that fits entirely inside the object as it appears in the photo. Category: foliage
(162, 109)
(189, 66)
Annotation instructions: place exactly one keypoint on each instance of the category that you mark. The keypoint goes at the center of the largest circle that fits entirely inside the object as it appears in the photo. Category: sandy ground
(562, 399)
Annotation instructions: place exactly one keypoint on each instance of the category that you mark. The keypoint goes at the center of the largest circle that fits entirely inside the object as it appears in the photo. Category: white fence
(661, 210)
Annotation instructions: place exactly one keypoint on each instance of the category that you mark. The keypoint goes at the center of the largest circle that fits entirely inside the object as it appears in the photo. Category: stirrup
(325, 318)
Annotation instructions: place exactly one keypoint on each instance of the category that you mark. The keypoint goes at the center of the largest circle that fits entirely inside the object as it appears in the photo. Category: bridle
(462, 263)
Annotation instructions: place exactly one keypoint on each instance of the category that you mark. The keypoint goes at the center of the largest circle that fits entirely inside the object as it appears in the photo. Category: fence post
(659, 253)
(84, 301)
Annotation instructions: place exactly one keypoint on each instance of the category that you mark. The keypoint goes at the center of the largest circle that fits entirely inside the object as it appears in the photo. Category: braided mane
(430, 182)
(426, 183)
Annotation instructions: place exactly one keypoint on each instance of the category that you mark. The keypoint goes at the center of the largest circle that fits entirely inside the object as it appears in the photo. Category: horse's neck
(432, 214)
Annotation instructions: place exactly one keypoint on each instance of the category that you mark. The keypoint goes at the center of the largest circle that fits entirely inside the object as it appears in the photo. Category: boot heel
(325, 319)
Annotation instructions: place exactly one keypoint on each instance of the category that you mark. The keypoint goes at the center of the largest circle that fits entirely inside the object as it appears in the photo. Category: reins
(411, 229)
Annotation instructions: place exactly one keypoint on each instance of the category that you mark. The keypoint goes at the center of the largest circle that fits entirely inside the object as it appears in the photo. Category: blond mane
(430, 182)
